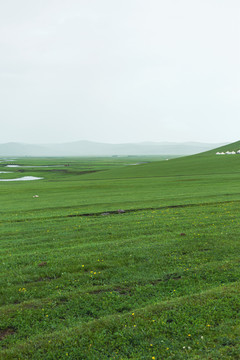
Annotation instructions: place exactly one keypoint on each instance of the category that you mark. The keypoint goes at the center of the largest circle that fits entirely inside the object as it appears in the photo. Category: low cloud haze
(124, 71)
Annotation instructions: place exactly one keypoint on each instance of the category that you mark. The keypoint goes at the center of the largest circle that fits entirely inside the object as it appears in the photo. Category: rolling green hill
(158, 280)
(200, 164)
(229, 147)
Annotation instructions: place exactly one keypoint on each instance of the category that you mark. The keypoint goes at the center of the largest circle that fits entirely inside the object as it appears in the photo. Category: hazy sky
(119, 71)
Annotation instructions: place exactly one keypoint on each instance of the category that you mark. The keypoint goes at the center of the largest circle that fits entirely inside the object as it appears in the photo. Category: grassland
(159, 281)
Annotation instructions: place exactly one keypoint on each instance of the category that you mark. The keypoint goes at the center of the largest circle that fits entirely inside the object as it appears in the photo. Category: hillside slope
(235, 146)
(199, 164)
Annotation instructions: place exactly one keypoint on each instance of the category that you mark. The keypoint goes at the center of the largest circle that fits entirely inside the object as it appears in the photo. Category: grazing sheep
(35, 196)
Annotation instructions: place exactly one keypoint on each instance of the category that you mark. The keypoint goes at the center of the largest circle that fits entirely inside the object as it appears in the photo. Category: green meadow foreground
(80, 280)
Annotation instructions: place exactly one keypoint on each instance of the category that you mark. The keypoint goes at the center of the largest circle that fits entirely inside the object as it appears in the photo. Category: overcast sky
(119, 71)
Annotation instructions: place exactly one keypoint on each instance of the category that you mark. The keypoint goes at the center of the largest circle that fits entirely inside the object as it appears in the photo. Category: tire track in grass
(116, 212)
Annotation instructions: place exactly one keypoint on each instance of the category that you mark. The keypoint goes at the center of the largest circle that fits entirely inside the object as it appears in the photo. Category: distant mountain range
(89, 148)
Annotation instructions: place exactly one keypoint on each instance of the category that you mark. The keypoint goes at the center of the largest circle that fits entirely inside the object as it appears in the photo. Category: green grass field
(79, 280)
